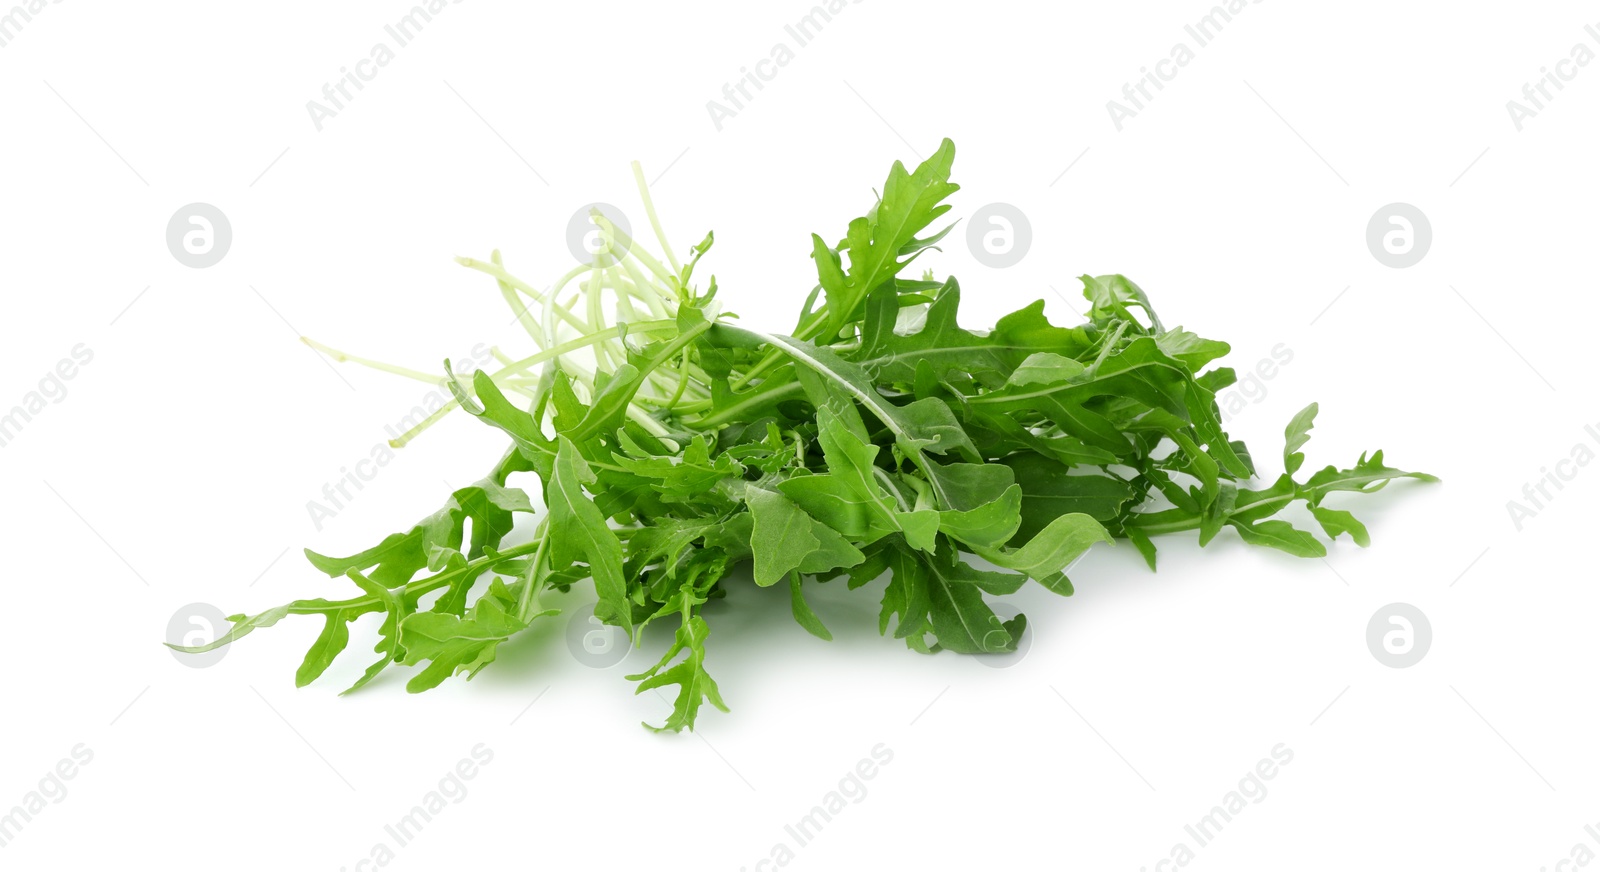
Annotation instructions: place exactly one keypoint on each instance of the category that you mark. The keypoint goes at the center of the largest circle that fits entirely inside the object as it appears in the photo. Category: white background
(178, 467)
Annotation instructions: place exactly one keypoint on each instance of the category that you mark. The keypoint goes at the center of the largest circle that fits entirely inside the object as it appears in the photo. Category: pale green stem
(625, 310)
(518, 307)
(529, 599)
(502, 377)
(561, 312)
(342, 357)
(406, 437)
(656, 301)
(655, 223)
(623, 285)
(602, 350)
(636, 251)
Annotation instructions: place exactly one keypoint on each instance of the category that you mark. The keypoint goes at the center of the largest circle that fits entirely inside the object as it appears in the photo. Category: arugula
(672, 447)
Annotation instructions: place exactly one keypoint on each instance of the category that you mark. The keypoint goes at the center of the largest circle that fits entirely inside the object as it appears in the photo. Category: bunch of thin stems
(641, 296)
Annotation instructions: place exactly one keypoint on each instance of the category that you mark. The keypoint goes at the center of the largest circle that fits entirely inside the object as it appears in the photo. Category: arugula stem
(633, 250)
(518, 307)
(602, 350)
(765, 363)
(572, 345)
(641, 283)
(500, 274)
(343, 357)
(655, 223)
(1174, 525)
(424, 586)
(683, 379)
(405, 438)
(805, 332)
(421, 586)
(502, 377)
(730, 413)
(525, 603)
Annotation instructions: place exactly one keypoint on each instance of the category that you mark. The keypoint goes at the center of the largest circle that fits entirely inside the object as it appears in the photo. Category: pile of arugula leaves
(673, 447)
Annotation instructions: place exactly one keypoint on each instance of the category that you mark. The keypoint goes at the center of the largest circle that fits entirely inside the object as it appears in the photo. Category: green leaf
(962, 621)
(1140, 370)
(990, 524)
(803, 614)
(884, 241)
(1253, 505)
(399, 557)
(833, 552)
(683, 477)
(841, 506)
(1112, 297)
(1336, 521)
(1367, 476)
(333, 639)
(396, 608)
(921, 528)
(1051, 489)
(874, 564)
(244, 625)
(1045, 368)
(1217, 512)
(1193, 351)
(1027, 331)
(892, 357)
(851, 497)
(1146, 548)
(924, 425)
(1295, 436)
(450, 644)
(578, 531)
(695, 685)
(947, 564)
(1052, 550)
(1281, 535)
(781, 539)
(492, 408)
(906, 596)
